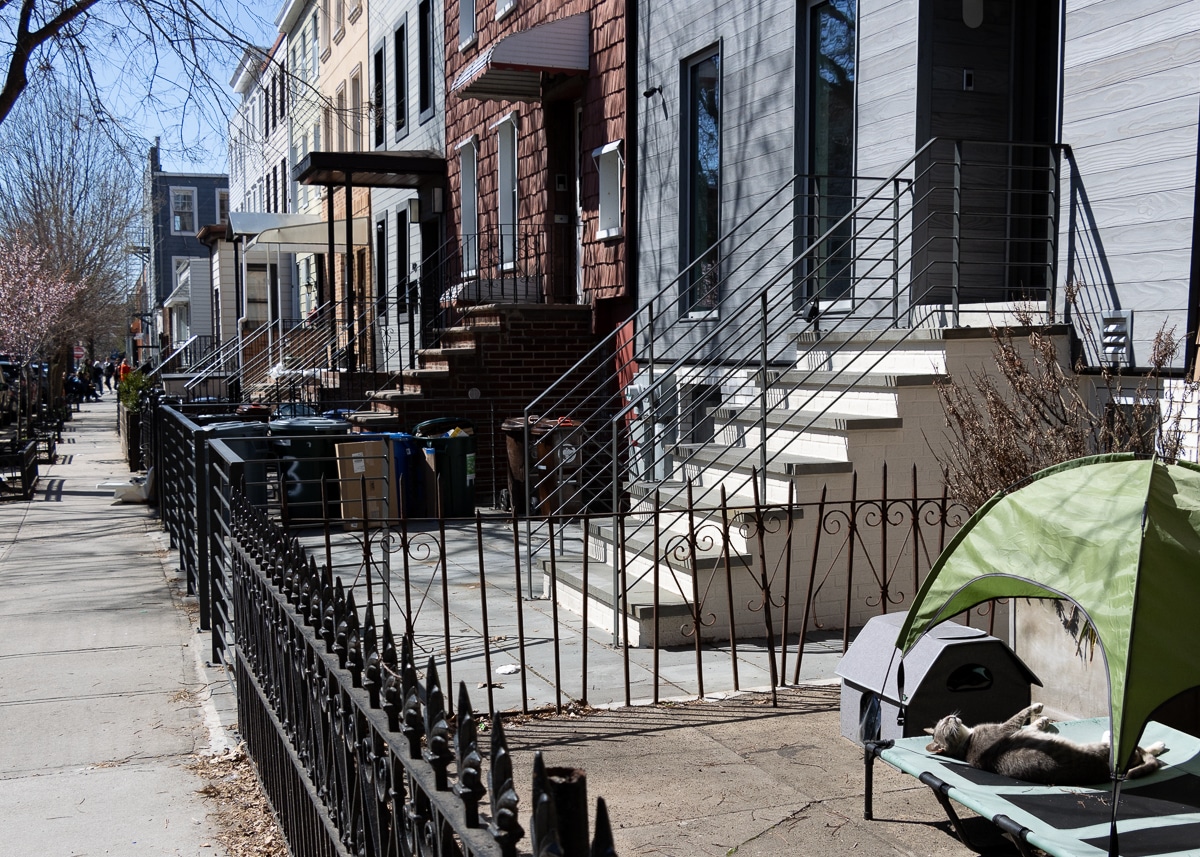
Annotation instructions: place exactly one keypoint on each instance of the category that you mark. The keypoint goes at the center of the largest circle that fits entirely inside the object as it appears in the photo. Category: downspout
(632, 105)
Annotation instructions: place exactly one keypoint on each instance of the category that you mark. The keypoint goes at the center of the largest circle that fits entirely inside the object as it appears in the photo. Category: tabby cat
(1023, 748)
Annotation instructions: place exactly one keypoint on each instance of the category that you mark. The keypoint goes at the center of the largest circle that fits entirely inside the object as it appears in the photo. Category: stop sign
(80, 351)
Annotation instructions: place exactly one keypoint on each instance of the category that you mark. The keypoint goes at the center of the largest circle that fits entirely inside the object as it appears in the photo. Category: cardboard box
(363, 465)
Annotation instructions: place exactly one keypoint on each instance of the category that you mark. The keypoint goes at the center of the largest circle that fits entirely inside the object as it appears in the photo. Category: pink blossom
(33, 296)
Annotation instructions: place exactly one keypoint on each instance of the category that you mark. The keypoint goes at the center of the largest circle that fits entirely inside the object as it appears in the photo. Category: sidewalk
(106, 698)
(103, 696)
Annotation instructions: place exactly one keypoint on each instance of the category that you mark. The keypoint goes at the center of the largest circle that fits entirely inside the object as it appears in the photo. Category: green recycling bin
(306, 450)
(448, 445)
(247, 440)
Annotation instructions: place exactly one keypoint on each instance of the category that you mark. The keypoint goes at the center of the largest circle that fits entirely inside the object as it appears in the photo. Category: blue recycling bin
(408, 476)
(305, 446)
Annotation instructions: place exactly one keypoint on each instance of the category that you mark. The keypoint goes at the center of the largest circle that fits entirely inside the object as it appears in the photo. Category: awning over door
(512, 68)
(311, 237)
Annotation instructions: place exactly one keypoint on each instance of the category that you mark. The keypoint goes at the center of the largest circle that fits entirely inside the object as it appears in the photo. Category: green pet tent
(1117, 535)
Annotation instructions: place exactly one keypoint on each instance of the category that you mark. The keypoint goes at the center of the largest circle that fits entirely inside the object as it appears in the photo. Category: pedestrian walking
(98, 377)
(123, 371)
(109, 371)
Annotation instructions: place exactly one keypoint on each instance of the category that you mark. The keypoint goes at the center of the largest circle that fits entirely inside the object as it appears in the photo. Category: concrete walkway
(104, 698)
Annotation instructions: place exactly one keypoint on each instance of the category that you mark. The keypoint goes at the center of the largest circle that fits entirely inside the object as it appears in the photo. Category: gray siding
(1131, 98)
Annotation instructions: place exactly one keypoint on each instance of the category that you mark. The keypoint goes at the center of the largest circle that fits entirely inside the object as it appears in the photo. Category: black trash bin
(448, 444)
(953, 668)
(305, 446)
(248, 440)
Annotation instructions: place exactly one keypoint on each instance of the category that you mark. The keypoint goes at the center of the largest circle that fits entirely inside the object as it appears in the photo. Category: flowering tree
(34, 296)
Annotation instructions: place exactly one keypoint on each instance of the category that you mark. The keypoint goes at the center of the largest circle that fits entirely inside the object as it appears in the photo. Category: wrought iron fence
(358, 754)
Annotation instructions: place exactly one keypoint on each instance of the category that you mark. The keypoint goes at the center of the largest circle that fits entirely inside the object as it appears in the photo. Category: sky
(191, 131)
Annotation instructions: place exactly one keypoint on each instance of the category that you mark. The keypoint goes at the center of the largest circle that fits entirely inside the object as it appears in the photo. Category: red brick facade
(545, 132)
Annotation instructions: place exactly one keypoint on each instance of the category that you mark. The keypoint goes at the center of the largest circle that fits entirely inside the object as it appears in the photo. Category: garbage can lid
(309, 425)
(537, 425)
(235, 428)
(443, 425)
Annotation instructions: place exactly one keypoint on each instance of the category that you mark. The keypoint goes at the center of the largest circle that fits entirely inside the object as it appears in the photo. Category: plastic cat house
(953, 668)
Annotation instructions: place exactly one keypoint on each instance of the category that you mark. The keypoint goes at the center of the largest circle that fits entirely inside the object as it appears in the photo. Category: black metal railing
(358, 754)
(508, 264)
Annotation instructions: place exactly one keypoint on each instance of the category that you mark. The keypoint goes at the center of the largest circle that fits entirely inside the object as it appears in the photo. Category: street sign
(80, 351)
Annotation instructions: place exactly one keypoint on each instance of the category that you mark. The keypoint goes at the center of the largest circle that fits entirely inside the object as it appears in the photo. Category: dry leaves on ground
(243, 815)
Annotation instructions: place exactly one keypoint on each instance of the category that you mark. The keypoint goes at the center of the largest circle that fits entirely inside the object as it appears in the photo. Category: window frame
(610, 170)
(426, 60)
(188, 191)
(507, 189)
(468, 153)
(379, 98)
(400, 75)
(468, 30)
(696, 301)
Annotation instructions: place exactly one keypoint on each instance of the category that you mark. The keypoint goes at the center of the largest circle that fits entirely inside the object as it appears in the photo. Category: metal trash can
(448, 444)
(953, 668)
(541, 460)
(305, 446)
(248, 440)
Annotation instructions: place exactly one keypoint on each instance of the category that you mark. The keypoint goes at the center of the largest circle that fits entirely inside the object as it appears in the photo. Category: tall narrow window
(285, 184)
(469, 208)
(400, 57)
(340, 118)
(466, 23)
(381, 290)
(609, 167)
(356, 113)
(222, 206)
(377, 101)
(831, 54)
(284, 86)
(506, 190)
(702, 181)
(402, 263)
(425, 57)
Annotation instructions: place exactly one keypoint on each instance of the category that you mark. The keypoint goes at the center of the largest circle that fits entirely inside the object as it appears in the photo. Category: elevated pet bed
(1158, 815)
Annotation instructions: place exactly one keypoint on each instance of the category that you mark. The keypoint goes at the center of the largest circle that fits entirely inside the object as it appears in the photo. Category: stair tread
(745, 458)
(778, 417)
(799, 378)
(639, 596)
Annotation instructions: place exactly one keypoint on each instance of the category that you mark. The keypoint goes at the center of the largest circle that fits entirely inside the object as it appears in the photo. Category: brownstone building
(536, 139)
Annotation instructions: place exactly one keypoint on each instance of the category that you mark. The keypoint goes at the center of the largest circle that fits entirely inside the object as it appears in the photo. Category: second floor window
(183, 211)
(379, 122)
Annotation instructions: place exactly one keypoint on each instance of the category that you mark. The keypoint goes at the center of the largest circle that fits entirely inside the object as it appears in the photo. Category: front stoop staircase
(851, 403)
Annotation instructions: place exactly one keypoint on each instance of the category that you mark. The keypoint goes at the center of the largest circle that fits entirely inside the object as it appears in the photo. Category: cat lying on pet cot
(1158, 812)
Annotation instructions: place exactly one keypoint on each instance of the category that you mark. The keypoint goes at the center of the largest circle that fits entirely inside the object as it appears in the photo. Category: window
(284, 184)
(377, 103)
(830, 144)
(402, 283)
(283, 91)
(503, 7)
(506, 190)
(339, 19)
(401, 61)
(183, 211)
(356, 112)
(381, 271)
(702, 180)
(314, 72)
(222, 206)
(610, 167)
(264, 107)
(469, 206)
(425, 59)
(340, 101)
(466, 24)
